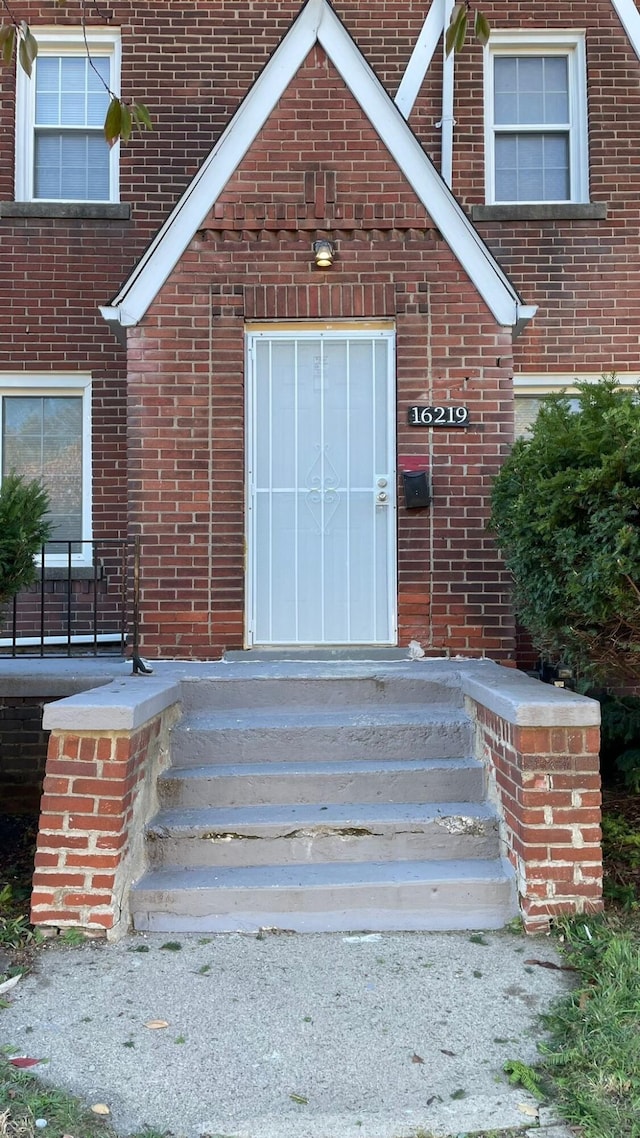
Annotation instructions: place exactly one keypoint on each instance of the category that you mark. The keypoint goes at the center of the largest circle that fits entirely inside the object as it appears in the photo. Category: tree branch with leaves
(462, 18)
(17, 39)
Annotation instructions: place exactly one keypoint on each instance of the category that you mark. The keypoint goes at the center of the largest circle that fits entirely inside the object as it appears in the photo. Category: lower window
(530, 390)
(46, 435)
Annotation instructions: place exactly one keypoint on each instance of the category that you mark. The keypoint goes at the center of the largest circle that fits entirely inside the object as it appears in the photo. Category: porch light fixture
(324, 252)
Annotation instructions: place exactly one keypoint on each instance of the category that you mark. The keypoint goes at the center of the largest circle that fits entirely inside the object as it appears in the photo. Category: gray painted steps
(289, 783)
(323, 691)
(328, 898)
(323, 797)
(368, 654)
(285, 835)
(316, 734)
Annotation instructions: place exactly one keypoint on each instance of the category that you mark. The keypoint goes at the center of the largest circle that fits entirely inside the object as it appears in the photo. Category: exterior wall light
(324, 252)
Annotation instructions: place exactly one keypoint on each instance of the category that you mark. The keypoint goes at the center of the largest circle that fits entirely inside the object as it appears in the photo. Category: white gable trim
(316, 22)
(630, 20)
(421, 57)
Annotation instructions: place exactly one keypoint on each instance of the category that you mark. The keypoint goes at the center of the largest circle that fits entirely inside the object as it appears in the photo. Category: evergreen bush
(23, 531)
(566, 514)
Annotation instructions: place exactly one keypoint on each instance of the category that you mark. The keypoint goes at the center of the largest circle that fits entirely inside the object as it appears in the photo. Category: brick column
(99, 791)
(541, 750)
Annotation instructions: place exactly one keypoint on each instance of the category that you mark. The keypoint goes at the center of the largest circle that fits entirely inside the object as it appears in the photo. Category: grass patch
(23, 1100)
(592, 1058)
(621, 852)
(18, 939)
(17, 846)
(15, 930)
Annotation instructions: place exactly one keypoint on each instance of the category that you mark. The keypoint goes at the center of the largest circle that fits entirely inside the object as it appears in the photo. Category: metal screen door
(321, 488)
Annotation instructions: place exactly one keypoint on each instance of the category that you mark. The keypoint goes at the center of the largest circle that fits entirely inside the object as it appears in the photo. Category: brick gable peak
(316, 23)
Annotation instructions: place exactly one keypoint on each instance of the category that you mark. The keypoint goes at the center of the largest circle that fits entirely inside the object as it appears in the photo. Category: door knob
(382, 497)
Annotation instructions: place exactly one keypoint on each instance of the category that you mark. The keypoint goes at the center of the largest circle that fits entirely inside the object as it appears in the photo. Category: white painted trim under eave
(316, 22)
(164, 252)
(474, 256)
(420, 60)
(630, 19)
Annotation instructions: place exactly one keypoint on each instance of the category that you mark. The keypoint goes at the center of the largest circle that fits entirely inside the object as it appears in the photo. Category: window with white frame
(530, 390)
(61, 151)
(536, 118)
(46, 434)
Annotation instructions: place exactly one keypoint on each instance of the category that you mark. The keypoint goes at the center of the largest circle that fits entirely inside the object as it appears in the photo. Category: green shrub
(620, 738)
(23, 531)
(566, 513)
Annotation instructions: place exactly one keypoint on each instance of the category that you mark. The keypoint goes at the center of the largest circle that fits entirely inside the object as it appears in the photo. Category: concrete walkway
(289, 1036)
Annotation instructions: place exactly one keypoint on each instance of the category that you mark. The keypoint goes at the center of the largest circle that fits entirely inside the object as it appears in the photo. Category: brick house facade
(329, 123)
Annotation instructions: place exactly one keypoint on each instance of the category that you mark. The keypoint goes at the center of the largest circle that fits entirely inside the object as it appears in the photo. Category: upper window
(61, 152)
(46, 434)
(536, 118)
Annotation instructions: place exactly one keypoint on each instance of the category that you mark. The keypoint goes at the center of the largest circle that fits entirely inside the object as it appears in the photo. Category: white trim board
(421, 57)
(317, 23)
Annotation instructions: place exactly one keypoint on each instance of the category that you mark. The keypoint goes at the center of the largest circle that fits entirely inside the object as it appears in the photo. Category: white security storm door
(321, 482)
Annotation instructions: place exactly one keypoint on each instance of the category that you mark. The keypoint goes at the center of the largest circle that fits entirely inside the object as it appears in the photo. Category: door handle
(382, 497)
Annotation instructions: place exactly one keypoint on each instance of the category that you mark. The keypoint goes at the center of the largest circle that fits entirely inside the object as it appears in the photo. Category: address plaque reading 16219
(438, 416)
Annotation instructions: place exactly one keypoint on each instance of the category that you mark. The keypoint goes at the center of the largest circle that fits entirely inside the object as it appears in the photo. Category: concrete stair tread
(361, 816)
(311, 767)
(260, 718)
(319, 874)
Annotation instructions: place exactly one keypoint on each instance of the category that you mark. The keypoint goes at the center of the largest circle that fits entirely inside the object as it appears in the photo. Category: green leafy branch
(461, 18)
(122, 114)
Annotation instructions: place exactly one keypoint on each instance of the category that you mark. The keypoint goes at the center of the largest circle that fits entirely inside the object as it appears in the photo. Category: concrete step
(284, 835)
(369, 654)
(297, 688)
(316, 734)
(323, 794)
(390, 780)
(407, 895)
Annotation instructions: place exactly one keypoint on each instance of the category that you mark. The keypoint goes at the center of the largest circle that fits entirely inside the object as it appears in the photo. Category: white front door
(321, 485)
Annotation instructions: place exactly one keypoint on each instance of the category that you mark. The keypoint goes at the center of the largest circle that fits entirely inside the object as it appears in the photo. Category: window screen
(71, 156)
(531, 118)
(42, 438)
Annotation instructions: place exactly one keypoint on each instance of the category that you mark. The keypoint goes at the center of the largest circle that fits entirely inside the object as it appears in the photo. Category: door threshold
(310, 654)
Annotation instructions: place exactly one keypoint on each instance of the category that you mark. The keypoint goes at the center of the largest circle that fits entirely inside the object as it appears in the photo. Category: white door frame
(364, 330)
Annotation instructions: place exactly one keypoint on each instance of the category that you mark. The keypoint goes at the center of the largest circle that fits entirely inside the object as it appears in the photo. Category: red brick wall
(193, 69)
(583, 275)
(548, 784)
(253, 259)
(23, 749)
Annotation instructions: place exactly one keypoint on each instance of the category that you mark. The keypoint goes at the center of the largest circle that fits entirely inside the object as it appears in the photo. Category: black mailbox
(417, 492)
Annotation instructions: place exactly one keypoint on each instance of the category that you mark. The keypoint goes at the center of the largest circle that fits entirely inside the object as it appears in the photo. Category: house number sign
(444, 416)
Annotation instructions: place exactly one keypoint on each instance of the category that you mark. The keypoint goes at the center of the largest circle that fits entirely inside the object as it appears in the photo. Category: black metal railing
(86, 602)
